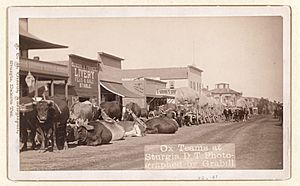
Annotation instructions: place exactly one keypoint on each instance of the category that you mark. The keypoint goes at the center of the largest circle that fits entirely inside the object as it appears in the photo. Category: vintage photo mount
(15, 13)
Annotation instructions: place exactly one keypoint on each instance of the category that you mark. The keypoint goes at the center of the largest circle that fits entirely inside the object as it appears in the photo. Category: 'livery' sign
(84, 76)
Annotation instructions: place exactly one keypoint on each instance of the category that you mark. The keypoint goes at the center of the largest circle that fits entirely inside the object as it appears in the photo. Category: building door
(83, 99)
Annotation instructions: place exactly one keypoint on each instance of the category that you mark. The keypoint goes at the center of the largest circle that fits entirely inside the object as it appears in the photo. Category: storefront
(148, 89)
(117, 92)
(111, 86)
(154, 101)
(40, 72)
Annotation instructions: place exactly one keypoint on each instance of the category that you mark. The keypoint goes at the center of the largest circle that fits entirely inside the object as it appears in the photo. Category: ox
(97, 136)
(116, 130)
(163, 125)
(28, 122)
(134, 129)
(135, 108)
(144, 113)
(84, 110)
(112, 109)
(53, 116)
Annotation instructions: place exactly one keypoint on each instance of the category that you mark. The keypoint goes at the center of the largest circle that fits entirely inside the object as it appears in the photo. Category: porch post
(52, 88)
(99, 93)
(66, 89)
(36, 87)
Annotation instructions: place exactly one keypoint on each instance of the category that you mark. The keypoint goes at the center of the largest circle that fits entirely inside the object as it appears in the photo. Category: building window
(191, 84)
(194, 85)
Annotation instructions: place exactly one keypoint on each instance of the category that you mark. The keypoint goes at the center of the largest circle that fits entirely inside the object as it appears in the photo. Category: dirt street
(258, 145)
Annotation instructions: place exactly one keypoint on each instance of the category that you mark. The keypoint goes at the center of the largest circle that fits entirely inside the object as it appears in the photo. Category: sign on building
(139, 87)
(172, 84)
(166, 92)
(84, 77)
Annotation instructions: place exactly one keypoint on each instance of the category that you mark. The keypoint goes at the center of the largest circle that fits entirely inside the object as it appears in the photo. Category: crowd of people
(237, 114)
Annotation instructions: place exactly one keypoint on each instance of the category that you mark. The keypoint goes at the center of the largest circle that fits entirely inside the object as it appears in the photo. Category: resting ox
(116, 130)
(97, 136)
(161, 125)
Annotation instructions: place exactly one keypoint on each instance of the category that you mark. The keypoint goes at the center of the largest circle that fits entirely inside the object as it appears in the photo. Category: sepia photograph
(152, 92)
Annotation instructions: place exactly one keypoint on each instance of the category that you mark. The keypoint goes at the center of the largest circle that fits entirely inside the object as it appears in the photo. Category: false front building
(97, 80)
(189, 77)
(147, 89)
(111, 87)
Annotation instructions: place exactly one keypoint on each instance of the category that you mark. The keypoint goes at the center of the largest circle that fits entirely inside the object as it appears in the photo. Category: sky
(245, 52)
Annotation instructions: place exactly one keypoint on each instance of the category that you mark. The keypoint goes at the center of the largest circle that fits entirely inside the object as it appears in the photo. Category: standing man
(229, 114)
(225, 112)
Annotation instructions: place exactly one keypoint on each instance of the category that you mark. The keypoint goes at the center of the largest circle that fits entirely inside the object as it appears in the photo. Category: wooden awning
(119, 89)
(29, 41)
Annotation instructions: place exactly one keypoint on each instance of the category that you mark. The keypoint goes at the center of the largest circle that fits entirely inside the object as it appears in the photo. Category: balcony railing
(43, 67)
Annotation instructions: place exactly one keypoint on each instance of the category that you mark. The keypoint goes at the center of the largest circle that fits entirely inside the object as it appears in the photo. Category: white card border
(14, 13)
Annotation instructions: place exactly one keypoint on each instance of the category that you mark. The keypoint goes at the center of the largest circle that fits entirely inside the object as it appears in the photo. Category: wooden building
(84, 78)
(189, 77)
(111, 86)
(147, 88)
(42, 71)
(225, 95)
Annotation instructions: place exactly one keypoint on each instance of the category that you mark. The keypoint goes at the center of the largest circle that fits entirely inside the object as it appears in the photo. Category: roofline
(195, 68)
(110, 55)
(149, 79)
(136, 69)
(235, 92)
(189, 66)
(143, 78)
(215, 89)
(42, 41)
(27, 35)
(222, 83)
(84, 58)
